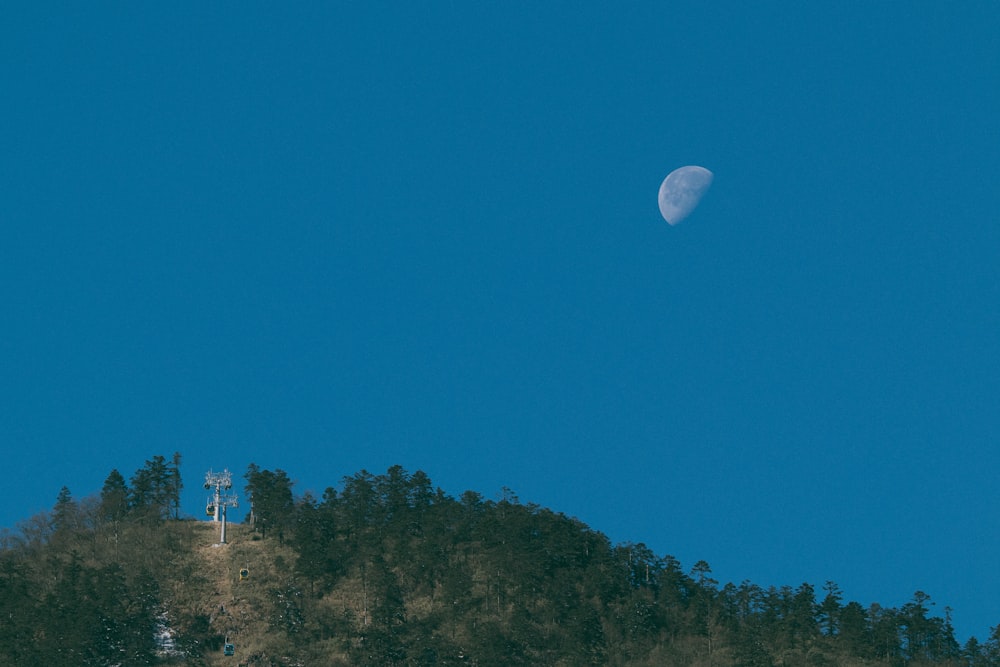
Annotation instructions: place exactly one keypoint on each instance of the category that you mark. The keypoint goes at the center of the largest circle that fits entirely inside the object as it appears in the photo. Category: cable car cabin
(228, 649)
(210, 510)
(244, 574)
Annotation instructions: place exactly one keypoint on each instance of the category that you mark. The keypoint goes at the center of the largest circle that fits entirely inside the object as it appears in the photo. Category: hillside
(237, 608)
(387, 570)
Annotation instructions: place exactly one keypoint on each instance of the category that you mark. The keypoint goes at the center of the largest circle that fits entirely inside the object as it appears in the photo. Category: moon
(681, 191)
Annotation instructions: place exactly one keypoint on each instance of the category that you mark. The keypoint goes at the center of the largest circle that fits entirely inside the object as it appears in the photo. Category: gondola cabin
(228, 649)
(210, 510)
(244, 574)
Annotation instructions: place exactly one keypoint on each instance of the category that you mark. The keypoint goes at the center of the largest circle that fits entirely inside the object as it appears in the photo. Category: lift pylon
(221, 482)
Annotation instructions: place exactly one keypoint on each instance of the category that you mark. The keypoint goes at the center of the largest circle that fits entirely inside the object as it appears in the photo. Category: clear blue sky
(337, 236)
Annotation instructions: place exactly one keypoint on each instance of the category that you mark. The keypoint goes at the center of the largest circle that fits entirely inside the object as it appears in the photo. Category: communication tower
(221, 482)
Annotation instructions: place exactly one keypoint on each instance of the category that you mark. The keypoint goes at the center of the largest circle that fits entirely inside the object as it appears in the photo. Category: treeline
(389, 570)
(80, 585)
(475, 581)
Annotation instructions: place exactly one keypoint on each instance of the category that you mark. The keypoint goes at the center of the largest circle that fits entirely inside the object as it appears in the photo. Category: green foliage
(114, 498)
(270, 499)
(156, 488)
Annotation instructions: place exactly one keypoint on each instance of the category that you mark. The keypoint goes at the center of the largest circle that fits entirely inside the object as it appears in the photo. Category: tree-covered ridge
(389, 570)
(550, 590)
(80, 585)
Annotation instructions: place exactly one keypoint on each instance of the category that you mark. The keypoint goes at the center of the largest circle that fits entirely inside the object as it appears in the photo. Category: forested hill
(388, 570)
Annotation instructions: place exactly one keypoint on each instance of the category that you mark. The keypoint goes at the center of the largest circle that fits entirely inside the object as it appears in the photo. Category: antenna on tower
(221, 500)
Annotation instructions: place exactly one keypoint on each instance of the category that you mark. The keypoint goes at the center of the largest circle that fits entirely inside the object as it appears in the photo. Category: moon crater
(681, 191)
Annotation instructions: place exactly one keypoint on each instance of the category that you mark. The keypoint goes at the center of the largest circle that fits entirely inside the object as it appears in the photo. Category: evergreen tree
(991, 648)
(829, 610)
(176, 484)
(65, 515)
(154, 489)
(271, 499)
(855, 633)
(114, 497)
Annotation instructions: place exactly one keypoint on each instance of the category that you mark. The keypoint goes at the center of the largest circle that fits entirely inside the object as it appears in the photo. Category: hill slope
(386, 570)
(228, 593)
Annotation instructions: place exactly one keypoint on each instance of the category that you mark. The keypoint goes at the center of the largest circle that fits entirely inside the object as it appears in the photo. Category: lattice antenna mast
(221, 482)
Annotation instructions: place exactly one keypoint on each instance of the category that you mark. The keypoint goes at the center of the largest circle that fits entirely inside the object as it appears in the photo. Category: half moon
(681, 191)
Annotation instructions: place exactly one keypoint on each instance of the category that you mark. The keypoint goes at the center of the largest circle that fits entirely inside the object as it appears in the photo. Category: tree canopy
(386, 569)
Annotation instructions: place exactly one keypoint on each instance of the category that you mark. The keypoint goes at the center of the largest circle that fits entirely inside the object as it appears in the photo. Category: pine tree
(114, 497)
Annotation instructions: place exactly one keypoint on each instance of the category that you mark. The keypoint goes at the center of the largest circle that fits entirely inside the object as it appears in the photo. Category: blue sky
(353, 235)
